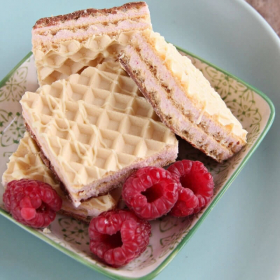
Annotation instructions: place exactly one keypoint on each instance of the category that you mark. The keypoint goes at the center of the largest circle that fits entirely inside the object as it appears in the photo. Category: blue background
(240, 237)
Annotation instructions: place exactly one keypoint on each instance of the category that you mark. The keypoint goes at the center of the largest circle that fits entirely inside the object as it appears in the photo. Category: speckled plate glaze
(254, 110)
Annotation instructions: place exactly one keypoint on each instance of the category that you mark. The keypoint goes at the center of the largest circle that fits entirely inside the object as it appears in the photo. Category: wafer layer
(26, 163)
(64, 45)
(95, 129)
(182, 97)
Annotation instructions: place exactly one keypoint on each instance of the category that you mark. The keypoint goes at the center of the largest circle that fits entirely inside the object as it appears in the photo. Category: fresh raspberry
(150, 192)
(196, 187)
(118, 236)
(32, 203)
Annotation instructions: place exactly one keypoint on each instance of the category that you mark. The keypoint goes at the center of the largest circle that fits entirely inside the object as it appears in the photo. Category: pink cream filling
(166, 106)
(144, 11)
(164, 74)
(151, 84)
(180, 97)
(167, 154)
(93, 30)
(148, 54)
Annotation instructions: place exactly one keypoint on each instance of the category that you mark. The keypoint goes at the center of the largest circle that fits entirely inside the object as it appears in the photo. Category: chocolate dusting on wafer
(55, 20)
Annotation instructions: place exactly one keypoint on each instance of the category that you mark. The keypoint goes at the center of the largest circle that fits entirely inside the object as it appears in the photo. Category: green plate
(254, 110)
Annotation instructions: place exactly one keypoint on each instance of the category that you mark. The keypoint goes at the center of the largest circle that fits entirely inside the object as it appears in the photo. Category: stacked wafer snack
(67, 44)
(94, 130)
(89, 121)
(64, 45)
(27, 163)
(182, 97)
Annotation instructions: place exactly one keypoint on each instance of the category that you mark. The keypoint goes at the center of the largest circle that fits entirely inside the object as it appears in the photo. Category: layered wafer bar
(66, 44)
(181, 96)
(95, 128)
(26, 163)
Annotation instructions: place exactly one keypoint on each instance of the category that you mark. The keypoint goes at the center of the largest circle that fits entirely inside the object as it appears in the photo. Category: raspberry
(196, 187)
(150, 192)
(118, 236)
(32, 203)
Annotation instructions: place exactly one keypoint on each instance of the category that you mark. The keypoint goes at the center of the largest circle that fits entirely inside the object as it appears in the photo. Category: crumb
(46, 230)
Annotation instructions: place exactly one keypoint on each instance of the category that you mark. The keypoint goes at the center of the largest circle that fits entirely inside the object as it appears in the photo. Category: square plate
(254, 110)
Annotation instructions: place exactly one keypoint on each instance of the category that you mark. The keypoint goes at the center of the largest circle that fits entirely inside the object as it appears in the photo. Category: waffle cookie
(95, 128)
(26, 163)
(65, 44)
(181, 96)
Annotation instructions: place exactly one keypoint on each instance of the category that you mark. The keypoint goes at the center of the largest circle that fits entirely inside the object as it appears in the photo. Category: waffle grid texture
(25, 163)
(65, 45)
(95, 128)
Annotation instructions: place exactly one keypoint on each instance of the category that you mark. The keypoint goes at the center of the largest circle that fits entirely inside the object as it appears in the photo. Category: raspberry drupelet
(32, 203)
(118, 236)
(150, 192)
(196, 188)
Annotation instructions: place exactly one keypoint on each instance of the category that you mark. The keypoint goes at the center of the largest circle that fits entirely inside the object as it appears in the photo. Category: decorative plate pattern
(169, 234)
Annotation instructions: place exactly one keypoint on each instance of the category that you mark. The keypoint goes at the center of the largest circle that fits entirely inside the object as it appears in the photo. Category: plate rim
(211, 206)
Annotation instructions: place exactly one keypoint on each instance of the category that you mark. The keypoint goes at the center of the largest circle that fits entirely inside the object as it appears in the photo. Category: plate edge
(184, 241)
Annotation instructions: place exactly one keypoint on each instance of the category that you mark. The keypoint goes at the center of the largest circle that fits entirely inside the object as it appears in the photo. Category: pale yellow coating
(71, 56)
(67, 47)
(93, 125)
(26, 163)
